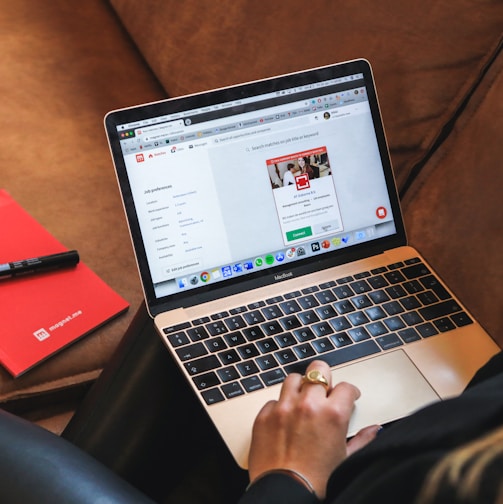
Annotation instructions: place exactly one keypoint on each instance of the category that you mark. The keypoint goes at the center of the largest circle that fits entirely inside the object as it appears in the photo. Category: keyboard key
(215, 344)
(375, 313)
(444, 324)
(378, 296)
(266, 362)
(322, 329)
(238, 310)
(293, 294)
(426, 330)
(272, 328)
(341, 339)
(285, 356)
(377, 282)
(212, 396)
(229, 357)
(285, 340)
(303, 351)
(393, 308)
(290, 323)
(461, 319)
(389, 341)
(394, 323)
(358, 318)
(326, 312)
(256, 305)
(304, 334)
(273, 377)
(360, 286)
(345, 280)
(206, 381)
(198, 333)
(396, 265)
(253, 333)
(290, 306)
(234, 339)
(266, 346)
(252, 383)
(413, 286)
(176, 328)
(440, 310)
(272, 312)
(217, 327)
(415, 271)
(308, 317)
(235, 322)
(247, 368)
(325, 297)
(430, 282)
(322, 345)
(308, 302)
(233, 389)
(359, 334)
(344, 307)
(410, 303)
(394, 277)
(220, 315)
(409, 335)
(361, 302)
(427, 298)
(178, 339)
(343, 292)
(340, 323)
(228, 374)
(376, 329)
(396, 291)
(338, 356)
(253, 317)
(203, 364)
(412, 318)
(191, 351)
(248, 351)
(200, 321)
(274, 300)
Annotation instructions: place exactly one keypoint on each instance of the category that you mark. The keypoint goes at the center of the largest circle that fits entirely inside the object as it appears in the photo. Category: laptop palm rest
(391, 387)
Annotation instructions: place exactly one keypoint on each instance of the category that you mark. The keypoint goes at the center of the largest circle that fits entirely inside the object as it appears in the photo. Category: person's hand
(305, 429)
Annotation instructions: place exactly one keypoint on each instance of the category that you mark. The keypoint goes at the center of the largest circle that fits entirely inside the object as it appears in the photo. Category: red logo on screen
(302, 182)
(140, 158)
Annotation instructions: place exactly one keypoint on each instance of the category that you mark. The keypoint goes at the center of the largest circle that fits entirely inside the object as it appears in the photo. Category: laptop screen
(254, 183)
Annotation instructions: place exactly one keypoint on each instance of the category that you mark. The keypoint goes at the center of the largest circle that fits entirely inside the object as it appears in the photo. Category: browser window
(229, 189)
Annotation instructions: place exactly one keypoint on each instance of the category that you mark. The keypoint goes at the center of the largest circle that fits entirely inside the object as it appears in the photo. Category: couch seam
(450, 124)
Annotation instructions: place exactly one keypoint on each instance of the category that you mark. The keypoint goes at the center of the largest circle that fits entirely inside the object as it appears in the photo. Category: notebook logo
(283, 276)
(41, 334)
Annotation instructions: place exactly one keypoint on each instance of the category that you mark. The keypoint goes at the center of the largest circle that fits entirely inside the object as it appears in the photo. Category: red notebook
(42, 313)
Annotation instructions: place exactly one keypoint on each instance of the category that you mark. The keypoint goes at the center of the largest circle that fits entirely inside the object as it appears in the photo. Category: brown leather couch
(438, 68)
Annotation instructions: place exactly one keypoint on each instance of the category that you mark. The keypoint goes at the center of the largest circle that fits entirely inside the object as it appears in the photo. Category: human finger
(342, 398)
(317, 377)
(362, 438)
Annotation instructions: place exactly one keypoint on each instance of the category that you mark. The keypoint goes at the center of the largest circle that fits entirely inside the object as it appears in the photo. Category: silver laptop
(267, 231)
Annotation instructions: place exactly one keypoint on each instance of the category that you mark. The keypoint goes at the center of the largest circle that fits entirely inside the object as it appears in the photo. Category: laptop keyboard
(251, 347)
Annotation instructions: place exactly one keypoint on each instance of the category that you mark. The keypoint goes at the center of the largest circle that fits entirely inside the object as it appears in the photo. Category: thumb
(362, 438)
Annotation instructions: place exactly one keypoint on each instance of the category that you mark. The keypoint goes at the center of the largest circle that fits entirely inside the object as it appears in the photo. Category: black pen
(39, 264)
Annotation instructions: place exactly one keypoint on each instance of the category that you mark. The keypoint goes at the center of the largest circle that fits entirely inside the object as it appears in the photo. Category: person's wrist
(295, 475)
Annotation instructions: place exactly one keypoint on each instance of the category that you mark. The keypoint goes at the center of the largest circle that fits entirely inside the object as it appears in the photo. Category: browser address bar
(160, 130)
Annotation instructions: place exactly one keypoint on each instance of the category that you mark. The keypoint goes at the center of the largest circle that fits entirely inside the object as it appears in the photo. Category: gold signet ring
(315, 377)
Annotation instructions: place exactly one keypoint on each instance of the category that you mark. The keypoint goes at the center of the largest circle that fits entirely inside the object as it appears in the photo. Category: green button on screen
(297, 234)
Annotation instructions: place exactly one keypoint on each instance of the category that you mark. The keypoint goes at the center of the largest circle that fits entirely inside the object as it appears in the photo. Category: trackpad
(391, 387)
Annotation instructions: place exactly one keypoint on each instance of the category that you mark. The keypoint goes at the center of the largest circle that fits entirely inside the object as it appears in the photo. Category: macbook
(268, 233)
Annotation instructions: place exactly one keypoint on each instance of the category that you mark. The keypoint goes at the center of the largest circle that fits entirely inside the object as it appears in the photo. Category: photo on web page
(304, 195)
